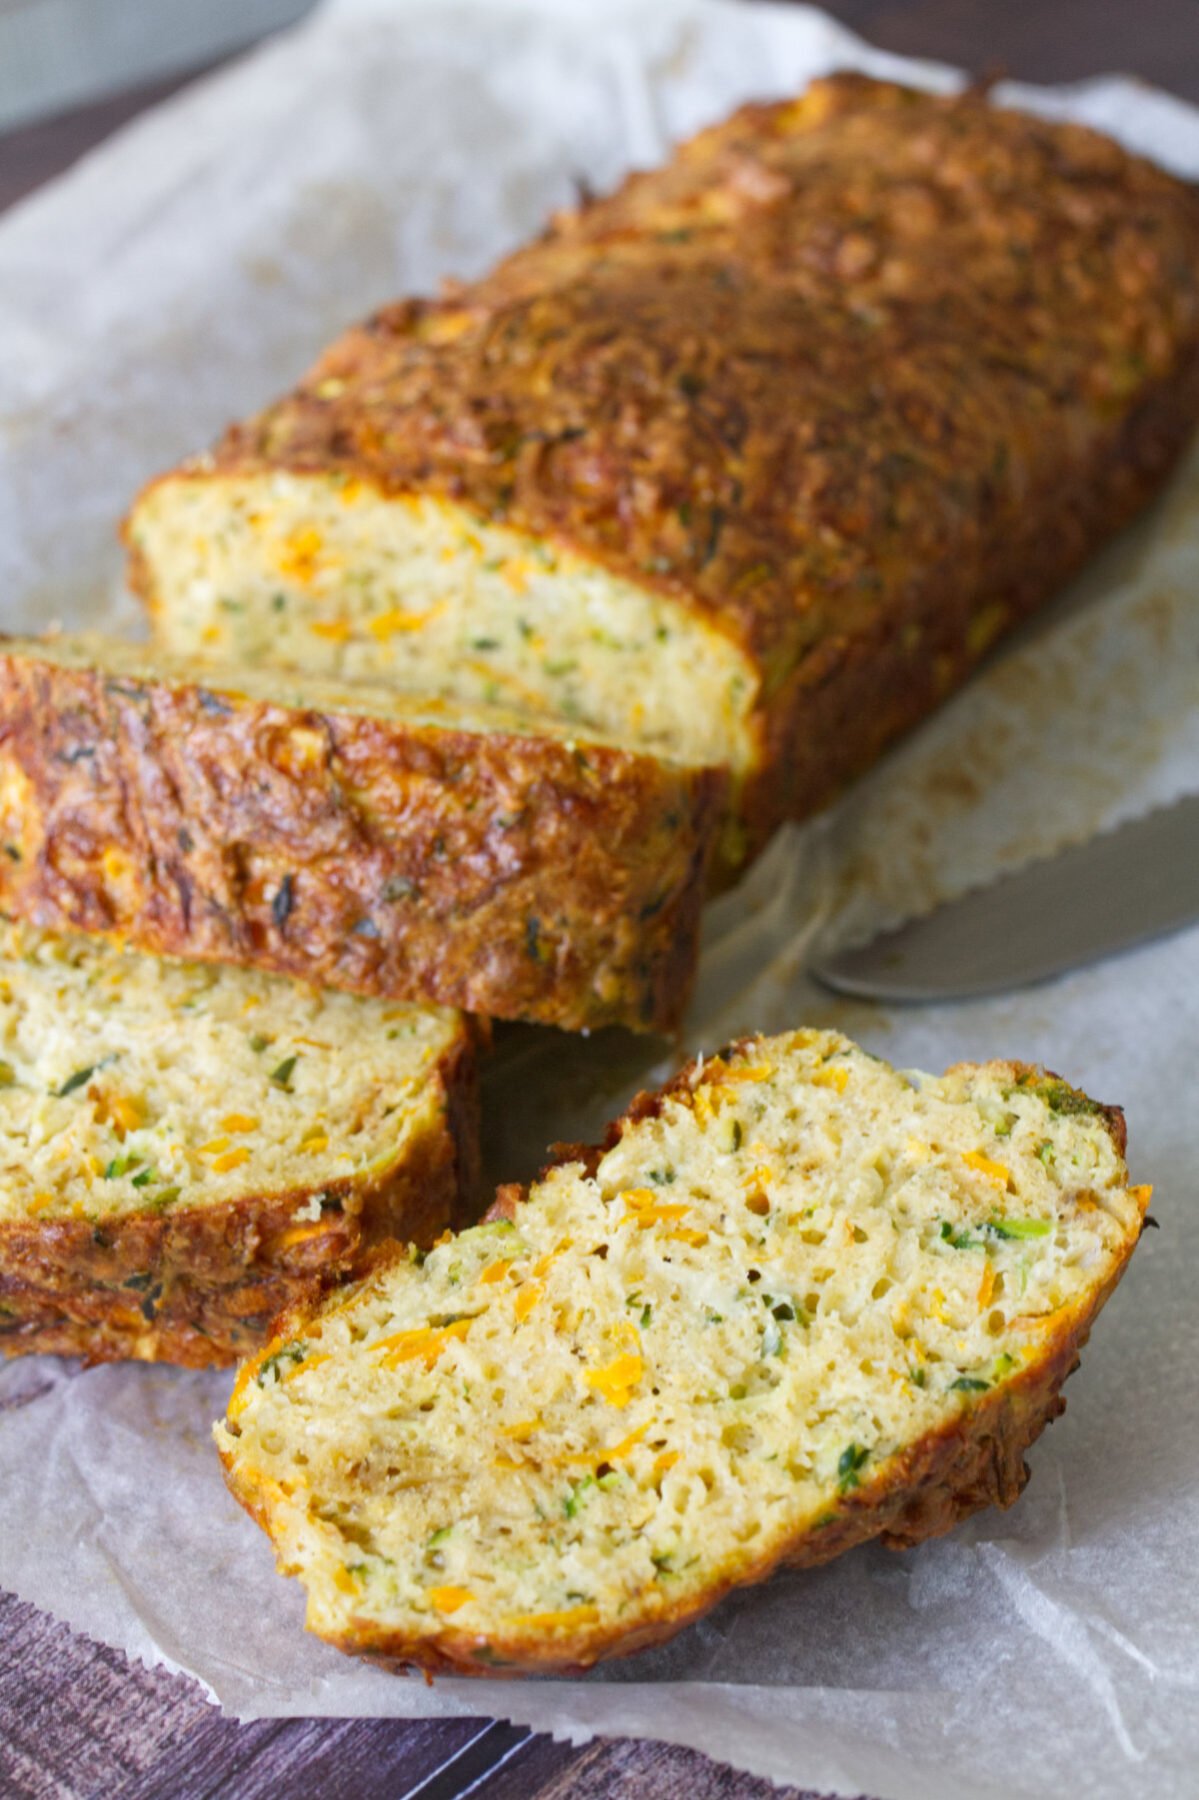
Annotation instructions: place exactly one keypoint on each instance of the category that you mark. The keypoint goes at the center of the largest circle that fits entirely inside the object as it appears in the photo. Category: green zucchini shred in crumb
(1019, 1228)
(577, 1495)
(283, 1074)
(293, 1353)
(852, 1458)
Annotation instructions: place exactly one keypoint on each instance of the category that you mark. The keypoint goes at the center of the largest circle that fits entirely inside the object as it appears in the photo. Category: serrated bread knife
(1136, 882)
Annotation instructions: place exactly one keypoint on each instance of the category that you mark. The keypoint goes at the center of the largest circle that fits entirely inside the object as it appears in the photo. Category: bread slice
(797, 1300)
(187, 1149)
(350, 836)
(747, 463)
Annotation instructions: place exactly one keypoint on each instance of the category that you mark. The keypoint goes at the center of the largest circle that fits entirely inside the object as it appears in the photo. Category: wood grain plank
(630, 1769)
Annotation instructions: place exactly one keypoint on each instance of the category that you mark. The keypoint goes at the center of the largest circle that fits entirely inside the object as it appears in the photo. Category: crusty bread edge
(584, 911)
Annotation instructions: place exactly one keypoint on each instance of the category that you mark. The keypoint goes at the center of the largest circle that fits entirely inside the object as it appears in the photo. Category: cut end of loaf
(800, 1300)
(332, 576)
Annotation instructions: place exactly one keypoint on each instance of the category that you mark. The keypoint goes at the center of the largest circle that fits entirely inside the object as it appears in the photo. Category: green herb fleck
(79, 1079)
(577, 1495)
(959, 1237)
(968, 1384)
(293, 1353)
(850, 1461)
(283, 1074)
(258, 1043)
(121, 1165)
(1020, 1228)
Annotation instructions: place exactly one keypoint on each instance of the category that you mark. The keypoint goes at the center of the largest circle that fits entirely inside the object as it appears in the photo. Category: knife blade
(1135, 882)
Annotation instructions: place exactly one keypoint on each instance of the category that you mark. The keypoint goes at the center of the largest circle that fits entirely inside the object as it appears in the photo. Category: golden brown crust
(860, 378)
(523, 877)
(200, 1286)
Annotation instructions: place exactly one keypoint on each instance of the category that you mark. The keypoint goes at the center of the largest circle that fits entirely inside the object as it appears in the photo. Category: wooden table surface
(79, 1722)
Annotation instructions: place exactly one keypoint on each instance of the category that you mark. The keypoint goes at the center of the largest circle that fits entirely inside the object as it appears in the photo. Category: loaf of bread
(798, 1300)
(189, 1149)
(747, 464)
(349, 836)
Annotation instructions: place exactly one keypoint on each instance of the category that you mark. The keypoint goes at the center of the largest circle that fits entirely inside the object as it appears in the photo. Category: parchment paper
(185, 273)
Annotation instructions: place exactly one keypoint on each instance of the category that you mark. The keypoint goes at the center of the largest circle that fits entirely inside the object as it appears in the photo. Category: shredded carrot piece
(627, 1444)
(237, 1122)
(231, 1159)
(426, 1342)
(615, 1381)
(832, 1078)
(387, 624)
(210, 1149)
(318, 1141)
(302, 1367)
(986, 1287)
(994, 1171)
(543, 1263)
(683, 1234)
(126, 1112)
(645, 1209)
(665, 1461)
(495, 1271)
(347, 1582)
(298, 555)
(246, 1374)
(335, 631)
(522, 1431)
(448, 1599)
(526, 1299)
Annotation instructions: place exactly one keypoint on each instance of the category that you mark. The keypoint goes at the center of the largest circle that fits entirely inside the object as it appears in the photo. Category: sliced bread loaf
(349, 835)
(187, 1149)
(797, 1300)
(747, 463)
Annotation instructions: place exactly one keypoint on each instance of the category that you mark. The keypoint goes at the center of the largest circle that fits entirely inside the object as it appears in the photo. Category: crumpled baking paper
(185, 273)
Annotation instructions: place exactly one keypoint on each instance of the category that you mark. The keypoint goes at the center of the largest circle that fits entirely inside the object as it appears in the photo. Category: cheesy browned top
(834, 341)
